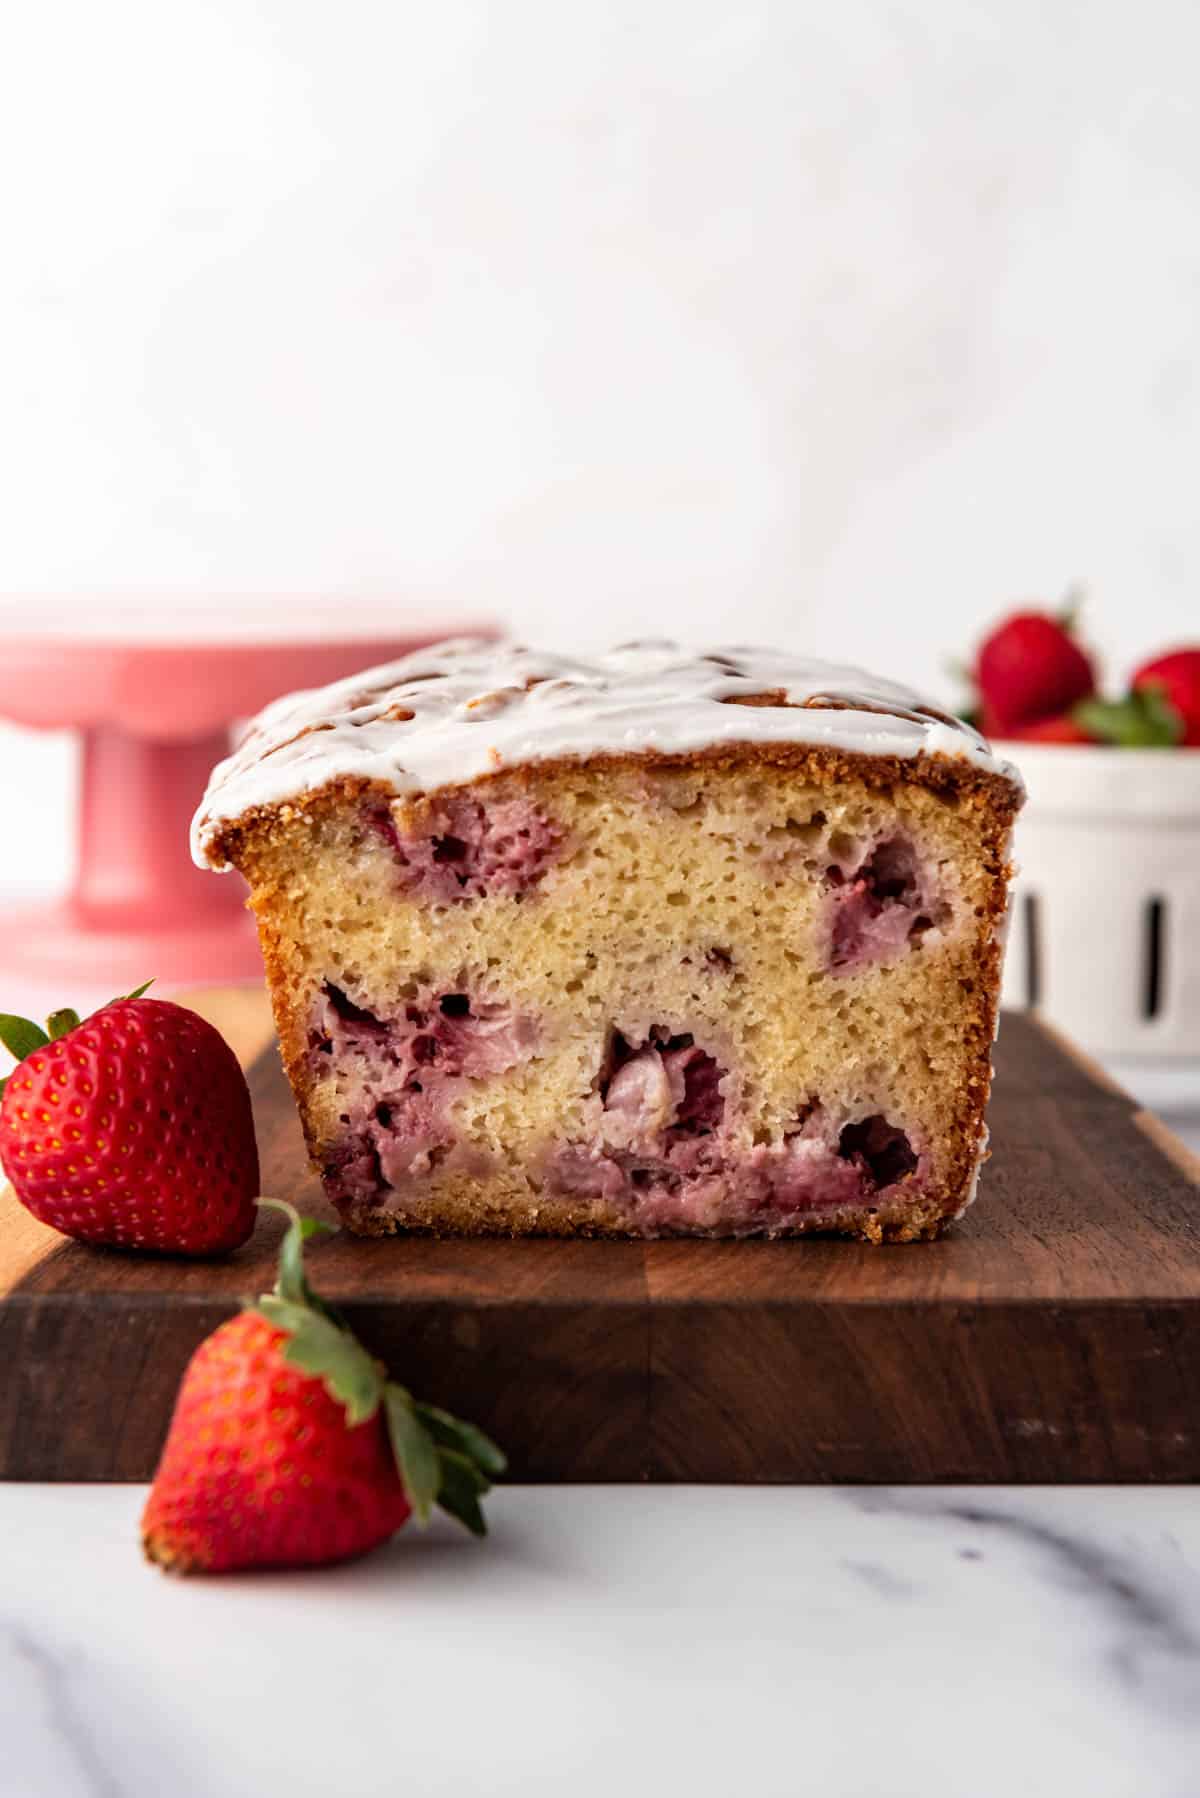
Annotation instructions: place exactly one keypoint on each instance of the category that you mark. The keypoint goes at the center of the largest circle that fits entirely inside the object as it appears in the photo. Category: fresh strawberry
(290, 1447)
(1030, 668)
(131, 1129)
(1175, 679)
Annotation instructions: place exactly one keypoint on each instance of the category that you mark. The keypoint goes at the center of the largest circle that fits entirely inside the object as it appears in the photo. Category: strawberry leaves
(462, 1487)
(417, 1458)
(21, 1036)
(318, 1343)
(440, 1459)
(122, 998)
(331, 1354)
(292, 1284)
(1143, 720)
(463, 1438)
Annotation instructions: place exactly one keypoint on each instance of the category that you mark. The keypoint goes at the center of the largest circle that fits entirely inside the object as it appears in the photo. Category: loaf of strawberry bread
(654, 943)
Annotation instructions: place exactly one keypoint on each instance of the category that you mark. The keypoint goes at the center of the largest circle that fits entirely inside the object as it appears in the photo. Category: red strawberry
(1029, 668)
(1175, 678)
(132, 1129)
(289, 1446)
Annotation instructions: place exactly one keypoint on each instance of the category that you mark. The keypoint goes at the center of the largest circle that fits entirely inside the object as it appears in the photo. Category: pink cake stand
(153, 718)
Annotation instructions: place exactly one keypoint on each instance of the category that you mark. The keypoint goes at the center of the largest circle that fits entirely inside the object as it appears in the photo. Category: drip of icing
(448, 714)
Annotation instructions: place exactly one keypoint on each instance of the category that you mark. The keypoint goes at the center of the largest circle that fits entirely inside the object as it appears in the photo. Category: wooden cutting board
(1053, 1335)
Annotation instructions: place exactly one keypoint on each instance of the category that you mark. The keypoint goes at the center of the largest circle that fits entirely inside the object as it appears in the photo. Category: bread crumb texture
(748, 992)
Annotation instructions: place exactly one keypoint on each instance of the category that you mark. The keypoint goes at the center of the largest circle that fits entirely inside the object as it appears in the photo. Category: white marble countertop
(619, 1639)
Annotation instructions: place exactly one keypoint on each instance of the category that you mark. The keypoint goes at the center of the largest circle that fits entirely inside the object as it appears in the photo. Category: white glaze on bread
(465, 708)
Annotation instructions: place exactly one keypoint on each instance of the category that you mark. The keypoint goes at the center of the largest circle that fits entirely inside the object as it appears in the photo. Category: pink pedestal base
(153, 719)
(52, 944)
(140, 909)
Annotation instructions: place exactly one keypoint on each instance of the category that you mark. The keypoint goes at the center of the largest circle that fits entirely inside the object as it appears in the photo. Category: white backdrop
(839, 324)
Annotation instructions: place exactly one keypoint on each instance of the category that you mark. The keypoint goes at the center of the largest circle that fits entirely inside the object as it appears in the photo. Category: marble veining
(1151, 1626)
(52, 1680)
(1150, 1623)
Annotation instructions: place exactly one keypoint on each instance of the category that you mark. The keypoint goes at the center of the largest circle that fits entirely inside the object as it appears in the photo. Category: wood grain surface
(1054, 1334)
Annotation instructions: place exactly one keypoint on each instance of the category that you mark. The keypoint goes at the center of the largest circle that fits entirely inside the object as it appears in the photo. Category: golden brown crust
(449, 1216)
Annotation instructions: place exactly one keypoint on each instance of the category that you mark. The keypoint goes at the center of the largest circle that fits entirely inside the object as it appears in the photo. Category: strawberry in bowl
(131, 1128)
(1029, 671)
(1175, 680)
(1103, 939)
(1034, 683)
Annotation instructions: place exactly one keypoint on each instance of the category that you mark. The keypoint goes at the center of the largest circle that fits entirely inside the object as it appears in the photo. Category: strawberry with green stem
(290, 1446)
(1161, 709)
(131, 1128)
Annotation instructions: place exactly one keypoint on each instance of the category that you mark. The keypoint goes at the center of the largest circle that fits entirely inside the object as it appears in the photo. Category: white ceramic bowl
(1105, 932)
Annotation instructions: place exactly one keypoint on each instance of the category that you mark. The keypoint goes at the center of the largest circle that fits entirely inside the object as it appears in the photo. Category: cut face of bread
(740, 988)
